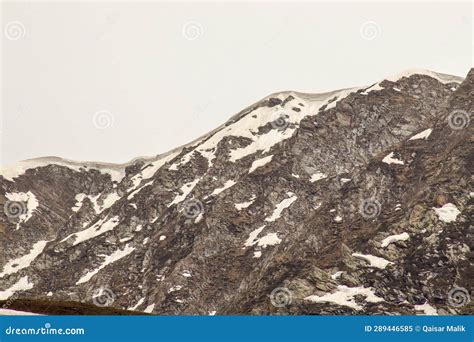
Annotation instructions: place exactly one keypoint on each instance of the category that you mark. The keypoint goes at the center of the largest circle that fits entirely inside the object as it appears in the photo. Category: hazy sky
(113, 81)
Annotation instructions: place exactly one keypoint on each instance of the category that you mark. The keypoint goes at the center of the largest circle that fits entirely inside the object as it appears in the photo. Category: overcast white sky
(162, 74)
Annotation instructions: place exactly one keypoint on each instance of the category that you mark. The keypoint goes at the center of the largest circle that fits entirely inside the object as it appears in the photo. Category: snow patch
(99, 228)
(8, 312)
(270, 239)
(394, 238)
(340, 95)
(389, 159)
(427, 309)
(15, 265)
(447, 213)
(317, 176)
(140, 302)
(443, 78)
(149, 308)
(243, 205)
(199, 217)
(344, 296)
(248, 125)
(422, 135)
(21, 285)
(280, 207)
(226, 185)
(260, 162)
(373, 260)
(253, 236)
(136, 191)
(186, 190)
(108, 259)
(31, 204)
(117, 172)
(150, 169)
(107, 202)
(175, 288)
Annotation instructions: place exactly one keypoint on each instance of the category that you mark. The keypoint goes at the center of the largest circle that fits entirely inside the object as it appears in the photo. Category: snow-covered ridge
(116, 171)
(443, 78)
(242, 124)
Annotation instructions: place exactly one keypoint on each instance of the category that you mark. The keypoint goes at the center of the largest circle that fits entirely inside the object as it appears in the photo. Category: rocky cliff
(357, 201)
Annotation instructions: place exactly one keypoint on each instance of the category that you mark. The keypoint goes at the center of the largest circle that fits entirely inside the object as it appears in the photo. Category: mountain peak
(349, 202)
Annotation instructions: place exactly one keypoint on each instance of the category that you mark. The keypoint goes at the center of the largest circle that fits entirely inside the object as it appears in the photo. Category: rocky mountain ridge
(357, 201)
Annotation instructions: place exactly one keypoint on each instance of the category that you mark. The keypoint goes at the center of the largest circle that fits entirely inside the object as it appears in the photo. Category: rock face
(357, 201)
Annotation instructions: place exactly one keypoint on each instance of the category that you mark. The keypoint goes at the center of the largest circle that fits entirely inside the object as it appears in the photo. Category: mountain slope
(357, 201)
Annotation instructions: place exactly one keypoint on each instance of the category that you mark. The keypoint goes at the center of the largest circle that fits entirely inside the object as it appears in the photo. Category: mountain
(357, 201)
